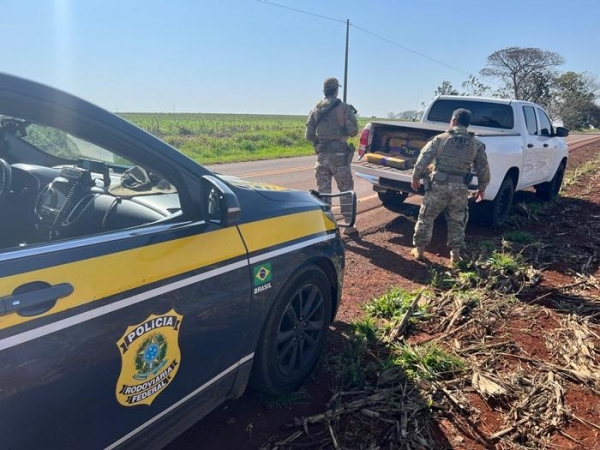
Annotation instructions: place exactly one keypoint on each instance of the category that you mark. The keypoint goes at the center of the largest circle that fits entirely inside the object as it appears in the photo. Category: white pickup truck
(523, 148)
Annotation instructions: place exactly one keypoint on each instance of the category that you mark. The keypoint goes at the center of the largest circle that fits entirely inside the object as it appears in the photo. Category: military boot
(350, 230)
(455, 255)
(417, 253)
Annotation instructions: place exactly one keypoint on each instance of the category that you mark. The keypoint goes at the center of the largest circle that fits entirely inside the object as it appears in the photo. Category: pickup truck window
(530, 122)
(483, 114)
(545, 125)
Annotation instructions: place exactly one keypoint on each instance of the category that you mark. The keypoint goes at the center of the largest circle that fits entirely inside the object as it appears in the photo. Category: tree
(475, 87)
(405, 115)
(445, 88)
(527, 73)
(575, 96)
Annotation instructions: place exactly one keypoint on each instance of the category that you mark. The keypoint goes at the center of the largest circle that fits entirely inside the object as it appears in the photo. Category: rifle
(325, 111)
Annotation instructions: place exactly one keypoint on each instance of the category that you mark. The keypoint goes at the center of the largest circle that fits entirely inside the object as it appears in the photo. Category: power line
(408, 49)
(367, 32)
(302, 11)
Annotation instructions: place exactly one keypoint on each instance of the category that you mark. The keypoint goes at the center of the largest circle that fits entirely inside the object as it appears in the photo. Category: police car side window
(65, 187)
(530, 120)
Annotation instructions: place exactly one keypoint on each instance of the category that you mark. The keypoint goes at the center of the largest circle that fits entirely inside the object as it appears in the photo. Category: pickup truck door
(550, 147)
(539, 147)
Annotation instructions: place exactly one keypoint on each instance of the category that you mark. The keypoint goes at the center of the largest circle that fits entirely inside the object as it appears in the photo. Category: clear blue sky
(249, 56)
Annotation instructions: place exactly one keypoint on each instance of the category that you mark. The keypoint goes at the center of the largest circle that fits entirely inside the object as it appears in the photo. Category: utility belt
(443, 178)
(332, 146)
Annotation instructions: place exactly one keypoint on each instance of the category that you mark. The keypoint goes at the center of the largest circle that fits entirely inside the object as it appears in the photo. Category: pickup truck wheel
(294, 333)
(549, 190)
(391, 199)
(495, 212)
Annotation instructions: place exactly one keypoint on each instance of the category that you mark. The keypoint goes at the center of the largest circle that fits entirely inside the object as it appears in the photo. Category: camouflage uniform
(329, 135)
(452, 154)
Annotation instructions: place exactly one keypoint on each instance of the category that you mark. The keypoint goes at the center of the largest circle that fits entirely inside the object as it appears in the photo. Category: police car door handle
(529, 145)
(545, 145)
(34, 298)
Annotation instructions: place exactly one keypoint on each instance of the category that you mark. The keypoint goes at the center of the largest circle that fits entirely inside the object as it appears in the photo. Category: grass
(504, 262)
(366, 353)
(572, 177)
(365, 329)
(426, 362)
(468, 278)
(391, 305)
(347, 370)
(519, 237)
(487, 245)
(221, 138)
(441, 278)
(284, 400)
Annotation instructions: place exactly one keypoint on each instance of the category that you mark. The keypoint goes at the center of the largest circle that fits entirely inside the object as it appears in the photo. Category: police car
(139, 290)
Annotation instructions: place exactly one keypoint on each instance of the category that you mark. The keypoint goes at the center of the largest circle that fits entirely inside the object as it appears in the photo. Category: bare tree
(445, 88)
(527, 73)
(475, 87)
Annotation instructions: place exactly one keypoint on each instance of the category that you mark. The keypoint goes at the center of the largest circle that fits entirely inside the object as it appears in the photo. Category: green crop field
(220, 138)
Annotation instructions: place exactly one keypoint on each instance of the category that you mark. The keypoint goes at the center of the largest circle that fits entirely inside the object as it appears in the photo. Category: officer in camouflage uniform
(329, 125)
(452, 154)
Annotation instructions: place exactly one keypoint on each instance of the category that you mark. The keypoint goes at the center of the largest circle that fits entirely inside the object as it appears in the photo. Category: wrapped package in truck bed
(386, 160)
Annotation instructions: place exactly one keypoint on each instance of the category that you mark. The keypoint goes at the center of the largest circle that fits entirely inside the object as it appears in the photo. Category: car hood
(270, 191)
(254, 185)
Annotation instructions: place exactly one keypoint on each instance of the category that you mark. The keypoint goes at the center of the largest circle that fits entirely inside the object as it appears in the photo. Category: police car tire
(549, 190)
(276, 368)
(495, 212)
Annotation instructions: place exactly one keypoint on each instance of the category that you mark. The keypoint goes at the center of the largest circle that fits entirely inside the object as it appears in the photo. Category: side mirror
(221, 205)
(562, 131)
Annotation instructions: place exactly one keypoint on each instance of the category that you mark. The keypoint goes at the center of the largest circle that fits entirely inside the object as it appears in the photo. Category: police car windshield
(56, 142)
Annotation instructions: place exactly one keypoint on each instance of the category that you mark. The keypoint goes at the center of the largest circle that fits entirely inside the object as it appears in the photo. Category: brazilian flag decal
(262, 274)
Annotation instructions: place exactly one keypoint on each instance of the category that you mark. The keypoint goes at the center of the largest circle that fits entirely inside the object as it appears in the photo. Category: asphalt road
(298, 173)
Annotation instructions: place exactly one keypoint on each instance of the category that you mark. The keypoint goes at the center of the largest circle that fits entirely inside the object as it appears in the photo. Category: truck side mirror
(562, 131)
(221, 205)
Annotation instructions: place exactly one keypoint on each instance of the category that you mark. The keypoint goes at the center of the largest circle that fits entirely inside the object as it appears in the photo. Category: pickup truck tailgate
(383, 176)
(378, 170)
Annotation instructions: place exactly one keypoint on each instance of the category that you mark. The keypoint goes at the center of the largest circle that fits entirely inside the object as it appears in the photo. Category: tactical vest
(456, 153)
(331, 127)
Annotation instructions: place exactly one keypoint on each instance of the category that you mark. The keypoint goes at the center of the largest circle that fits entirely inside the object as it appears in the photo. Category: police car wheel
(294, 333)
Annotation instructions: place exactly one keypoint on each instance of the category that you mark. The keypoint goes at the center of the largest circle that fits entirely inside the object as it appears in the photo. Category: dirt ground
(563, 303)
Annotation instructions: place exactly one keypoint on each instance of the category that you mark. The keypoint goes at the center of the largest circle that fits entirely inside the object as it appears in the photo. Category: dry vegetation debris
(519, 343)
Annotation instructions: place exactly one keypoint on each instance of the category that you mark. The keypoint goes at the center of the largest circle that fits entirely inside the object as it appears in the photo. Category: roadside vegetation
(486, 335)
(588, 168)
(222, 138)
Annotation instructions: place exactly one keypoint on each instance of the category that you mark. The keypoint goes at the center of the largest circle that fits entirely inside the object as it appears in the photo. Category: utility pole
(346, 60)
